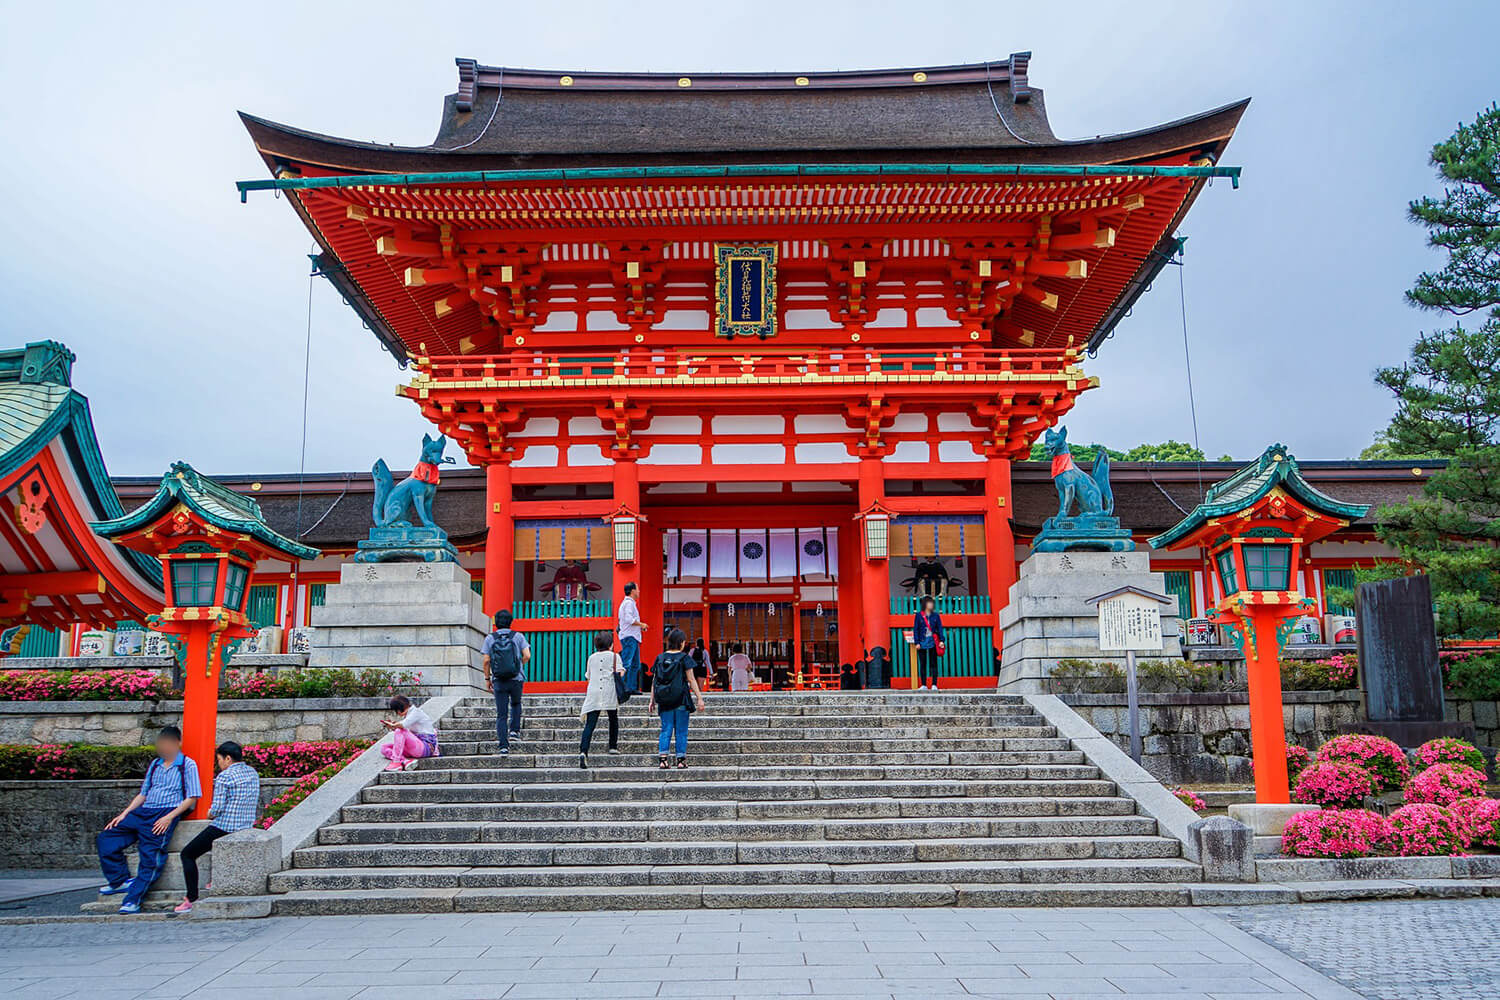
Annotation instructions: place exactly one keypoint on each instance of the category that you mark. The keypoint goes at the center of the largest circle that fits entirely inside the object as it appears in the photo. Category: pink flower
(1422, 829)
(1333, 785)
(1450, 751)
(1379, 756)
(1334, 833)
(1191, 799)
(1445, 784)
(1481, 820)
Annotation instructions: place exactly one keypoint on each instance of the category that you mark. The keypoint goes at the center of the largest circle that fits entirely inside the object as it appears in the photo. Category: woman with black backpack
(674, 694)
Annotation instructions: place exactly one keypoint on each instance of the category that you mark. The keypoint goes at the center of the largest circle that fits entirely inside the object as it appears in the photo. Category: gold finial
(684, 81)
(919, 77)
(566, 81)
(255, 487)
(801, 81)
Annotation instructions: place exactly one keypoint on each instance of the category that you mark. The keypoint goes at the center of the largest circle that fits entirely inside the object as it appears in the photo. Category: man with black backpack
(506, 653)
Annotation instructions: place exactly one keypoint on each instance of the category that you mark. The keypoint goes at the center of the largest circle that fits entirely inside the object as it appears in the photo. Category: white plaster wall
(748, 454)
(822, 452)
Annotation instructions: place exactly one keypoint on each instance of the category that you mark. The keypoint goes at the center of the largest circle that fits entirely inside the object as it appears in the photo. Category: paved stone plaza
(701, 954)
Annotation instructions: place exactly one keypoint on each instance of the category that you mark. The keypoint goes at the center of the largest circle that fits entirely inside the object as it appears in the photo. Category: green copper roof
(37, 405)
(222, 507)
(1276, 467)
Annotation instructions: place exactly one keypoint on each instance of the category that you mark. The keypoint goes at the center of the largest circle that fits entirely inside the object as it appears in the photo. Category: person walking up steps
(169, 792)
(234, 808)
(630, 626)
(674, 694)
(602, 669)
(506, 654)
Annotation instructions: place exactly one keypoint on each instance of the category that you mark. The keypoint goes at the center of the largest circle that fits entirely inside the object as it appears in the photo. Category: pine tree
(1448, 394)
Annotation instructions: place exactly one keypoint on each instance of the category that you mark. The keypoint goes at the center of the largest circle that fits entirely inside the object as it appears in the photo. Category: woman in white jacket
(603, 666)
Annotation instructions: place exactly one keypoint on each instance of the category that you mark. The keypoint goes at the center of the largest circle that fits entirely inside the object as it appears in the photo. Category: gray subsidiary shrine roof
(1275, 468)
(503, 117)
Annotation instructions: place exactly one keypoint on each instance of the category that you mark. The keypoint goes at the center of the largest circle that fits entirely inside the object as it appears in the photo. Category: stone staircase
(856, 799)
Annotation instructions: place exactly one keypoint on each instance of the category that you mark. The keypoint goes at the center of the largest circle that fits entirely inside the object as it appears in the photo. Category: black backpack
(505, 662)
(669, 680)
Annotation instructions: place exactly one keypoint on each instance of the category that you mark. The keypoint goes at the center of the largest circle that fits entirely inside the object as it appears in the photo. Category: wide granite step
(436, 786)
(609, 854)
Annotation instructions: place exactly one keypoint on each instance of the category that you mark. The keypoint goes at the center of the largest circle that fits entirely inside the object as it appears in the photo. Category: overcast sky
(119, 149)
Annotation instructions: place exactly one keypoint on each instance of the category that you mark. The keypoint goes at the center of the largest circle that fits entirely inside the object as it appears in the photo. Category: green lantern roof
(1275, 467)
(218, 505)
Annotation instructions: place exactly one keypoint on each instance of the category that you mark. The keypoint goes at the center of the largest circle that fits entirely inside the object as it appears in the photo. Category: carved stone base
(1083, 533)
(404, 616)
(404, 543)
(1048, 617)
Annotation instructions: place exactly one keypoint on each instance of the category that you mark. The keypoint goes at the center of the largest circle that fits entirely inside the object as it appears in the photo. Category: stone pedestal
(404, 616)
(1048, 617)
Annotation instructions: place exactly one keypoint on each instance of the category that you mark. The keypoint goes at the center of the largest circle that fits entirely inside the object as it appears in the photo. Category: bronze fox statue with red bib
(1091, 491)
(415, 491)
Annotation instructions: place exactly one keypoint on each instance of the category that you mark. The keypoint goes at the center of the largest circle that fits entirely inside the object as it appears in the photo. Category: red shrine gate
(656, 308)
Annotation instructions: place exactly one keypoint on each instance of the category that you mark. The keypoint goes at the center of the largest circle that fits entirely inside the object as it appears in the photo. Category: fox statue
(416, 490)
(1091, 491)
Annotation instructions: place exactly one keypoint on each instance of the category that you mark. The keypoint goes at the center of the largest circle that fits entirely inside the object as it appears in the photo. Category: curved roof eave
(284, 144)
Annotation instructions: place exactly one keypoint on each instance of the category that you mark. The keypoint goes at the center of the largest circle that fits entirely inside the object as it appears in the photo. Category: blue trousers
(507, 710)
(135, 828)
(674, 722)
(630, 657)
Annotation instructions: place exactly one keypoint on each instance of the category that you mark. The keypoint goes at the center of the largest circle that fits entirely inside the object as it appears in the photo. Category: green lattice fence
(559, 657)
(599, 607)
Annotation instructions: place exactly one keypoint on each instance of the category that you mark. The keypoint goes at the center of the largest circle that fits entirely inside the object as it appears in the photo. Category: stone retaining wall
(1204, 738)
(52, 824)
(134, 723)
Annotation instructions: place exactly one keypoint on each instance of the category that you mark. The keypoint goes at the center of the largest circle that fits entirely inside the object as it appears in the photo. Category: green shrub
(1072, 676)
(1475, 678)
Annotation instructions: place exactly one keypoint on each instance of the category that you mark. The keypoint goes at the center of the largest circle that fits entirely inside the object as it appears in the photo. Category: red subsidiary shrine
(740, 314)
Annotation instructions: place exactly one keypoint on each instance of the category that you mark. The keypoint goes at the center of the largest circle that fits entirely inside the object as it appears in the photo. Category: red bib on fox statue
(426, 472)
(1060, 464)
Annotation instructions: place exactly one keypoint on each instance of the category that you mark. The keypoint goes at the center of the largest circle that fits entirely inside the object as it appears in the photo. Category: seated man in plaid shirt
(169, 792)
(234, 807)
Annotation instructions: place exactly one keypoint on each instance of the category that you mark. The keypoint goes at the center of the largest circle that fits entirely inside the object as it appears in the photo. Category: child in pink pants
(413, 735)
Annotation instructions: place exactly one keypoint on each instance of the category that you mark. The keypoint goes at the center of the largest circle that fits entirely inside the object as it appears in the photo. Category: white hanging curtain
(692, 553)
(754, 558)
(723, 558)
(783, 553)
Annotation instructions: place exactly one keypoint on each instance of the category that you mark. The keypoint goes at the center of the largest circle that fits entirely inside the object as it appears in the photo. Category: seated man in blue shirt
(169, 792)
(235, 805)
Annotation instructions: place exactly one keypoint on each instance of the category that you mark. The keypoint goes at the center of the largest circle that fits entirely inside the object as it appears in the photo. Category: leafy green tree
(1448, 393)
(1166, 451)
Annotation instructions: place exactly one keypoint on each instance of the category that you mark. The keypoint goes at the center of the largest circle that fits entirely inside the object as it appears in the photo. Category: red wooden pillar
(1267, 725)
(875, 574)
(999, 541)
(500, 538)
(647, 572)
(200, 707)
(850, 596)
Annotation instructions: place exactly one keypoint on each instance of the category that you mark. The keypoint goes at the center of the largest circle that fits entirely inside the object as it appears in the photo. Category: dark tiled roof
(517, 118)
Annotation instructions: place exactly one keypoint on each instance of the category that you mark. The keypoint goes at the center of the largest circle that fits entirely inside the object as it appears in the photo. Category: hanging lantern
(624, 523)
(877, 535)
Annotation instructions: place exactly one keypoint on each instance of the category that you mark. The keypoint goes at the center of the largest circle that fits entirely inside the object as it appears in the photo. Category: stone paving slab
(1389, 950)
(1014, 953)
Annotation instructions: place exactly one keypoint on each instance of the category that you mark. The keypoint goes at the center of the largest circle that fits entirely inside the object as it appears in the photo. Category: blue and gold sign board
(745, 289)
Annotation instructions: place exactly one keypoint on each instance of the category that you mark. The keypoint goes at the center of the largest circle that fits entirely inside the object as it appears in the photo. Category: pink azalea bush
(1334, 833)
(1381, 757)
(1450, 751)
(1191, 799)
(301, 789)
(83, 685)
(1445, 784)
(1422, 828)
(1481, 820)
(1296, 759)
(303, 757)
(1333, 785)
